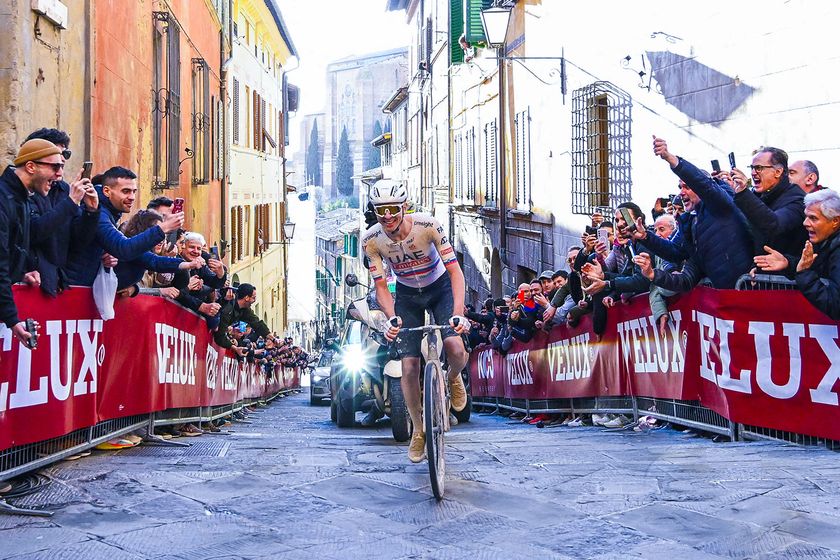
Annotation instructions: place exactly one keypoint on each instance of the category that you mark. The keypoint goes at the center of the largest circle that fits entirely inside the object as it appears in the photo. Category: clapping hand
(808, 257)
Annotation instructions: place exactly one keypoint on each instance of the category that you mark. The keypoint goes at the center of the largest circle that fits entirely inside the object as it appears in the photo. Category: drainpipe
(88, 88)
(503, 202)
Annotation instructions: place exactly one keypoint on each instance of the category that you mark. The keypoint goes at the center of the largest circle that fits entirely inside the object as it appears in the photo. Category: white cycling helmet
(388, 191)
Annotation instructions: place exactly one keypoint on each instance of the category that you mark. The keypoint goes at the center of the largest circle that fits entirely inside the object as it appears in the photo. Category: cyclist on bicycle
(429, 278)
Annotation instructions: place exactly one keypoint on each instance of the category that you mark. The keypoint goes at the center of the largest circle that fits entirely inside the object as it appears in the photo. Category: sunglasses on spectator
(56, 166)
(393, 209)
(66, 154)
(760, 168)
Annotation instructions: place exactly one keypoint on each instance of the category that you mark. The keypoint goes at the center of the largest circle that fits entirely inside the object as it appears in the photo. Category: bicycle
(435, 405)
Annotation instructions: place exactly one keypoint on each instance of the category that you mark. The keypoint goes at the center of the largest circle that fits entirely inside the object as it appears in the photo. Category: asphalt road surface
(291, 485)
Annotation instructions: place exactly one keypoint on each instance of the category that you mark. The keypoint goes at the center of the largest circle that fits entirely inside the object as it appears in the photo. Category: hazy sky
(328, 30)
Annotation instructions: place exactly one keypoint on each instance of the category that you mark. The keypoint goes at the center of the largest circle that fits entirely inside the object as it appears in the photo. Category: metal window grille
(471, 167)
(522, 122)
(601, 119)
(235, 111)
(201, 121)
(166, 100)
(491, 165)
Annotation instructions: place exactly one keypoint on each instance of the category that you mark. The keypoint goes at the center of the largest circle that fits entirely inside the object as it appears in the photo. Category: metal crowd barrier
(685, 413)
(22, 459)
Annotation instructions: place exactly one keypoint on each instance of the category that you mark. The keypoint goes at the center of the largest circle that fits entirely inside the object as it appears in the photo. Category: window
(456, 29)
(458, 176)
(600, 147)
(166, 100)
(236, 111)
(522, 123)
(246, 230)
(491, 167)
(200, 121)
(470, 170)
(248, 109)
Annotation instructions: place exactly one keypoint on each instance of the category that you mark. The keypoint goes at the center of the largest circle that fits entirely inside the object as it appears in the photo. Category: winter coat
(83, 265)
(232, 313)
(776, 217)
(131, 272)
(194, 299)
(59, 226)
(14, 241)
(820, 284)
(715, 237)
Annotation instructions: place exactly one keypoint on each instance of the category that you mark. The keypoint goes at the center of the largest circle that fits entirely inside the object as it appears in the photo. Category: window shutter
(456, 29)
(474, 27)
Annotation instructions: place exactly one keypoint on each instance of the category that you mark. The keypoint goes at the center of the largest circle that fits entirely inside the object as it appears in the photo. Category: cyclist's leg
(442, 307)
(409, 306)
(410, 382)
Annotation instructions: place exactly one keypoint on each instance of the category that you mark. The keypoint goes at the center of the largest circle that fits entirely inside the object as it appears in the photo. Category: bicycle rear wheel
(435, 419)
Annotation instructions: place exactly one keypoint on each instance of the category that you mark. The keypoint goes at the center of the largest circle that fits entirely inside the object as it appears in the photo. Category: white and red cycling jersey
(416, 261)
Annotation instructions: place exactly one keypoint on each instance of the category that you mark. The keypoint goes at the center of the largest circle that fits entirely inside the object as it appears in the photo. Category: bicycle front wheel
(434, 420)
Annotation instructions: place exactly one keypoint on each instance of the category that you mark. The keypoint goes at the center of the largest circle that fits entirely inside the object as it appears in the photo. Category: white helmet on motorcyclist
(388, 191)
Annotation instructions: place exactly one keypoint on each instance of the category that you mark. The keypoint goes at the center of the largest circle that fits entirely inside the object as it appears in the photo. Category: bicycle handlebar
(424, 328)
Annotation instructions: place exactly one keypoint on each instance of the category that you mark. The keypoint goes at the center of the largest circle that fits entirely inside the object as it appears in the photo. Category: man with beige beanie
(38, 162)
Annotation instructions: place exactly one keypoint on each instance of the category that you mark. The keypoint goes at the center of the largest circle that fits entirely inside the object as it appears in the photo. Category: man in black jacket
(60, 222)
(774, 207)
(38, 162)
(818, 269)
(240, 310)
(197, 287)
(715, 240)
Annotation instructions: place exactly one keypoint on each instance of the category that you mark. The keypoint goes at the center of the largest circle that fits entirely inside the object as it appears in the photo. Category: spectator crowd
(59, 231)
(721, 225)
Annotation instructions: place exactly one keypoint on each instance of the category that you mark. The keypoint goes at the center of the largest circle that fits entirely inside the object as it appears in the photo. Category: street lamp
(288, 230)
(288, 233)
(496, 21)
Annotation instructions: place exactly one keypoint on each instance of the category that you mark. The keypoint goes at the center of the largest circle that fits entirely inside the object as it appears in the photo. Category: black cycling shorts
(410, 304)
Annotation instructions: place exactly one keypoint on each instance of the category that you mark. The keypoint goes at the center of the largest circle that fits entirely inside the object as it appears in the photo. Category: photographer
(499, 331)
(774, 206)
(198, 285)
(525, 315)
(715, 238)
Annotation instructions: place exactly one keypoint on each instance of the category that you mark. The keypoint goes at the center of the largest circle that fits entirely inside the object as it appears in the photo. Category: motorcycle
(366, 373)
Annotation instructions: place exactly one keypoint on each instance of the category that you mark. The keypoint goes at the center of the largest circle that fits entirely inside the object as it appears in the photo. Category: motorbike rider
(429, 278)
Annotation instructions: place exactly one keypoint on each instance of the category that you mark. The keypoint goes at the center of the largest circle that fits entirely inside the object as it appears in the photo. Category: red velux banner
(763, 358)
(152, 356)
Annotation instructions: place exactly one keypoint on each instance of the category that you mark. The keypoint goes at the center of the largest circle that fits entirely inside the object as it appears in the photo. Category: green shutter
(456, 29)
(475, 29)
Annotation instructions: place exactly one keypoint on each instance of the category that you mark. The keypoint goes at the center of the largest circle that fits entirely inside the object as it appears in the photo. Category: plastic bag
(104, 292)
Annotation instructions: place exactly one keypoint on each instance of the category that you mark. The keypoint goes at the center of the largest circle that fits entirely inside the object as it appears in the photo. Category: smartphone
(214, 252)
(604, 237)
(504, 308)
(590, 230)
(603, 210)
(520, 296)
(676, 200)
(178, 205)
(628, 218)
(87, 169)
(732, 160)
(715, 165)
(32, 343)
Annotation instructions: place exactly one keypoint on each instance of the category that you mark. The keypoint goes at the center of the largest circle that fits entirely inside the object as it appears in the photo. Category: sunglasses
(56, 166)
(393, 209)
(66, 154)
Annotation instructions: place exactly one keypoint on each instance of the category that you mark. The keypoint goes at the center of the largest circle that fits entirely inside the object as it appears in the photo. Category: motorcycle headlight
(316, 378)
(354, 359)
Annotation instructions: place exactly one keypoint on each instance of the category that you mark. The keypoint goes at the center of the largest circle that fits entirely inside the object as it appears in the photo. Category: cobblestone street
(292, 485)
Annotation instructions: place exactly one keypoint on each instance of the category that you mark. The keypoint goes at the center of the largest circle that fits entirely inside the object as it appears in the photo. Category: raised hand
(808, 257)
(773, 261)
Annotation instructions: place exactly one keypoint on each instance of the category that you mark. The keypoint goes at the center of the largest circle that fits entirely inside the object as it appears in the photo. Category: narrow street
(292, 485)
